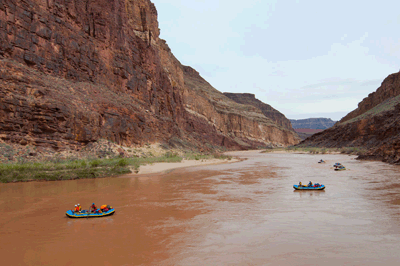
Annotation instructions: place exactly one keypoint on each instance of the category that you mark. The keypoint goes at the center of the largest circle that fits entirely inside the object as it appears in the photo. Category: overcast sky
(310, 58)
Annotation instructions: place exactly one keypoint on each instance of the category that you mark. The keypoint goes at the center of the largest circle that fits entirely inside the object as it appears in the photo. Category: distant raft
(86, 214)
(340, 168)
(314, 187)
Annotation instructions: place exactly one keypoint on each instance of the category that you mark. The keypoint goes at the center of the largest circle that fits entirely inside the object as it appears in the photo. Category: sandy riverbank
(162, 167)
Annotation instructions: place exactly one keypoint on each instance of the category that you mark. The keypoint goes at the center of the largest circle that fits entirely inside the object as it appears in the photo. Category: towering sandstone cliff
(72, 72)
(375, 125)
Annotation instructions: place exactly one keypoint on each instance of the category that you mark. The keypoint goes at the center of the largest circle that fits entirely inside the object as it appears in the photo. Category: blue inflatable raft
(320, 187)
(86, 214)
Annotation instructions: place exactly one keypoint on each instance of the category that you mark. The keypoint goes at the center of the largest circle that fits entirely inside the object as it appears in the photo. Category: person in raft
(76, 208)
(93, 208)
(79, 207)
(300, 185)
(310, 184)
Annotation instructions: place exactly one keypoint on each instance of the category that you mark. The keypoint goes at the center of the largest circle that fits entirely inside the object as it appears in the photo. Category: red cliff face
(374, 125)
(72, 72)
(76, 71)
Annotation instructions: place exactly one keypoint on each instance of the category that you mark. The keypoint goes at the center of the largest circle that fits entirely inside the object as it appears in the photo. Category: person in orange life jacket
(79, 207)
(76, 208)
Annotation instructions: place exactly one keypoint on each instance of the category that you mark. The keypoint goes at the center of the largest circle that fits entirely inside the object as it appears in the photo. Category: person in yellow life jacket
(79, 207)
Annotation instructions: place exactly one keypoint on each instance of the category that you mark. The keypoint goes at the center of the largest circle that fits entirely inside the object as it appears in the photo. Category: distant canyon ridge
(307, 127)
(74, 72)
(312, 123)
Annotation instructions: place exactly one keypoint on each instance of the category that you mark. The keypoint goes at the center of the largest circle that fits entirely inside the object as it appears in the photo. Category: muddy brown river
(243, 213)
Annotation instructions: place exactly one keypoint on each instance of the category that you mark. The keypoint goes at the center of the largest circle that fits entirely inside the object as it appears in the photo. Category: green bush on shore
(215, 155)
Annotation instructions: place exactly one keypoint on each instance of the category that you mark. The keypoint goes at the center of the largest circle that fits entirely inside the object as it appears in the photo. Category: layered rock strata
(73, 72)
(267, 110)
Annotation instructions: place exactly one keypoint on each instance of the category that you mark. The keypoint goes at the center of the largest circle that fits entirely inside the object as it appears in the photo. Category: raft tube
(86, 214)
(297, 187)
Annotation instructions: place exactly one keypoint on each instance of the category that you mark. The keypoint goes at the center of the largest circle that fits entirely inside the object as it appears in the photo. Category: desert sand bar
(162, 167)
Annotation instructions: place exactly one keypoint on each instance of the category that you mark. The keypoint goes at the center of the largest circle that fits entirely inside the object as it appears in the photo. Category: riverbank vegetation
(65, 169)
(103, 158)
(319, 150)
(198, 156)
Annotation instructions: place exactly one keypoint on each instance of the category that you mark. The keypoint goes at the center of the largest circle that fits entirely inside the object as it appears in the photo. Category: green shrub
(170, 154)
(122, 162)
(94, 163)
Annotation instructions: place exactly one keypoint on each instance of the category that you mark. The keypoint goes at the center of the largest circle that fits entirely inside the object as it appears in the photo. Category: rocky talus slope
(73, 72)
(374, 125)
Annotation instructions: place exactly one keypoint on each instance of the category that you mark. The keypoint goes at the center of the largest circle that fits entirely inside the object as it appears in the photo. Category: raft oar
(88, 212)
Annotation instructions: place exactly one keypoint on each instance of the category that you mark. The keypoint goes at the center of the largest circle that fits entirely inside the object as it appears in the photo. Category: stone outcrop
(313, 123)
(73, 72)
(374, 125)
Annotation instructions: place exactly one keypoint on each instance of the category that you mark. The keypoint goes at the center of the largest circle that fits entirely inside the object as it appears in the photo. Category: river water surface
(243, 213)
